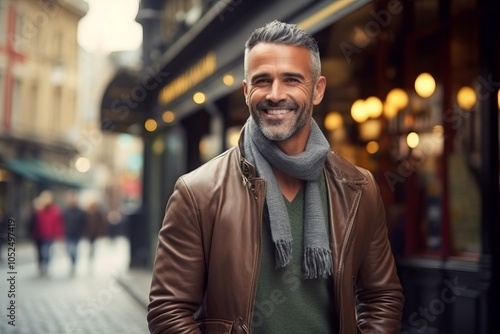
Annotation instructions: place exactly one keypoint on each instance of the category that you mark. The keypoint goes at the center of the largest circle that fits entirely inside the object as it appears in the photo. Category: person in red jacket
(49, 226)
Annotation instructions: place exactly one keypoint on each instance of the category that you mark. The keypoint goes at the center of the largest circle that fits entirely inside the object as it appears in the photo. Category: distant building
(38, 101)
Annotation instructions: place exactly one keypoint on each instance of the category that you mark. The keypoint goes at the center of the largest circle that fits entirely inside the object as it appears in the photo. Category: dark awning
(120, 103)
(46, 172)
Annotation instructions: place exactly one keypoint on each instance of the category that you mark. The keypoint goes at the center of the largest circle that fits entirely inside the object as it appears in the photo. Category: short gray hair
(277, 32)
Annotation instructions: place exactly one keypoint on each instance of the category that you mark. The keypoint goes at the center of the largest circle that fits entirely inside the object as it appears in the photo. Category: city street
(93, 300)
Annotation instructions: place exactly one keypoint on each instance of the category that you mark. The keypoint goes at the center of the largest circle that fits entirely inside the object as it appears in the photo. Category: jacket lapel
(344, 186)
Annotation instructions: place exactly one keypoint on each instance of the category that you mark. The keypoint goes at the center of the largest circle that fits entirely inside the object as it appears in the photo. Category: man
(277, 235)
(96, 226)
(75, 222)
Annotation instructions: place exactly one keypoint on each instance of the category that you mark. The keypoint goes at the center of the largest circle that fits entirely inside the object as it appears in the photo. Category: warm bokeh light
(374, 107)
(168, 116)
(158, 146)
(199, 98)
(150, 125)
(390, 110)
(232, 136)
(358, 111)
(413, 139)
(425, 85)
(466, 97)
(333, 121)
(398, 98)
(498, 98)
(82, 164)
(370, 129)
(408, 121)
(438, 131)
(228, 80)
(372, 147)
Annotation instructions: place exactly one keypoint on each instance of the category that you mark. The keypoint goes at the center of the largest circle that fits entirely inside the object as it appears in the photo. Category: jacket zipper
(242, 325)
(259, 246)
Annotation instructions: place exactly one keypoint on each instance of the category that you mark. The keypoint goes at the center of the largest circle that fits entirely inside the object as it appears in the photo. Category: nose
(276, 92)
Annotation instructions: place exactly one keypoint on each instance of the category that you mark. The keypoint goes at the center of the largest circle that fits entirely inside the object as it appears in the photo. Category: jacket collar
(344, 171)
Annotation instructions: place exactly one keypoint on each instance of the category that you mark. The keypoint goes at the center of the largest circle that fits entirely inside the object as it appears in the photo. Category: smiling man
(278, 234)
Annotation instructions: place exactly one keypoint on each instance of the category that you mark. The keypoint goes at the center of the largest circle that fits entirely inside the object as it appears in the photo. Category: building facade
(412, 94)
(38, 99)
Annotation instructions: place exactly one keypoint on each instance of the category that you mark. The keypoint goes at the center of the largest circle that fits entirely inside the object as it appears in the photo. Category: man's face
(279, 89)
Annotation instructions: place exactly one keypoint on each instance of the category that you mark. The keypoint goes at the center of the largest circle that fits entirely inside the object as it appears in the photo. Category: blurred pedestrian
(36, 206)
(48, 227)
(3, 231)
(96, 225)
(75, 222)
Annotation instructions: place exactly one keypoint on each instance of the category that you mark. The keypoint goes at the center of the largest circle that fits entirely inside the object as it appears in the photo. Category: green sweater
(286, 303)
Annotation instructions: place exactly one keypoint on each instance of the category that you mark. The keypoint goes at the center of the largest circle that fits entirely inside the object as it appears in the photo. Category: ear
(245, 91)
(319, 90)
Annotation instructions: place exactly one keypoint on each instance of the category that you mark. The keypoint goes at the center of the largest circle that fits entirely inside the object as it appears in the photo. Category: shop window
(17, 104)
(424, 149)
(465, 152)
(57, 116)
(443, 197)
(19, 40)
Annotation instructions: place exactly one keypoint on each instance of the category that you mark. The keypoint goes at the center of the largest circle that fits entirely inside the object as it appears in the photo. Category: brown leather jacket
(209, 249)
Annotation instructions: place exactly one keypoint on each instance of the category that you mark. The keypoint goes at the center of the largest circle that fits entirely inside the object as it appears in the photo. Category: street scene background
(104, 104)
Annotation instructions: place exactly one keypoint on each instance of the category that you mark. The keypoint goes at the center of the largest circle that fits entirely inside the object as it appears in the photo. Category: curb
(137, 285)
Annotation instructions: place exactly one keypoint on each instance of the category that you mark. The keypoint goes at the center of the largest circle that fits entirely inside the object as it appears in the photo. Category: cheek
(302, 93)
(305, 91)
(252, 94)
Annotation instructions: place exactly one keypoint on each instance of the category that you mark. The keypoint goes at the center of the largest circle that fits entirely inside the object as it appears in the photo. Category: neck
(289, 185)
(297, 143)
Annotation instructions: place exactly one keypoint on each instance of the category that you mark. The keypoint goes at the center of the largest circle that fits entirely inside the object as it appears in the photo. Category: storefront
(29, 166)
(412, 95)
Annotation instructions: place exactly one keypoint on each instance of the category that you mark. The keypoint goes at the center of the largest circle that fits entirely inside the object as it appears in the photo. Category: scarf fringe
(283, 253)
(317, 263)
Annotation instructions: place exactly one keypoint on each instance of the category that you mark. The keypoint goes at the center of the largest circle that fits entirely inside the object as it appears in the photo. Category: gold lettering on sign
(193, 76)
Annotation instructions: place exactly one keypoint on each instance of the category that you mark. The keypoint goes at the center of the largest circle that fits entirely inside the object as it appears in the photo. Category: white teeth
(277, 111)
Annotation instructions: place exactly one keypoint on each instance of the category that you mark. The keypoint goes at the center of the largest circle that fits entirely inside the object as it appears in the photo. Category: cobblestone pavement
(90, 301)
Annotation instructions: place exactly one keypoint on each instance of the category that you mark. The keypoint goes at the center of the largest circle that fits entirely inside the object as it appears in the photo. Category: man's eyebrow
(283, 75)
(259, 76)
(293, 75)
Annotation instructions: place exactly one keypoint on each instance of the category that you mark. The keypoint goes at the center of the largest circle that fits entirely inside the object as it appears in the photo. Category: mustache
(280, 104)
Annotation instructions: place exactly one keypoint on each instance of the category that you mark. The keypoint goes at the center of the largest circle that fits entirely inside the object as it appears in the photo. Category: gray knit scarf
(307, 166)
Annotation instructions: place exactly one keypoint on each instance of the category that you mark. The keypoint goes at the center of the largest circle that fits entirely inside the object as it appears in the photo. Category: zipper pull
(243, 325)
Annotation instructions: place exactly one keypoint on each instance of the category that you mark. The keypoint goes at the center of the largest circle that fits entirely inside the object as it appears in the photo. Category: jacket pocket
(216, 327)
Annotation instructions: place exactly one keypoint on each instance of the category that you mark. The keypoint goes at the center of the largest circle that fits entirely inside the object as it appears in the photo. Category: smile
(278, 111)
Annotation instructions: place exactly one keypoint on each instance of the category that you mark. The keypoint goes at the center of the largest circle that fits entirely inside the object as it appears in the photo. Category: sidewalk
(138, 285)
(103, 296)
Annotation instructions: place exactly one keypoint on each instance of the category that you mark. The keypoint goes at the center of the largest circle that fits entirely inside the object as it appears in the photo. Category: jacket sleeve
(179, 269)
(378, 290)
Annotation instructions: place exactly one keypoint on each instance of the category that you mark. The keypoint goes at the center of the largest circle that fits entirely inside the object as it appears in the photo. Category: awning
(120, 105)
(46, 172)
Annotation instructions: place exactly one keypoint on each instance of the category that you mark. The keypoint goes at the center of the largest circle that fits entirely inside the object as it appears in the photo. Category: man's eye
(292, 80)
(262, 82)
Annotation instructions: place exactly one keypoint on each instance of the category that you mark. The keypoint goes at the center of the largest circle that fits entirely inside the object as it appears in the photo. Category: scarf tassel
(317, 263)
(283, 253)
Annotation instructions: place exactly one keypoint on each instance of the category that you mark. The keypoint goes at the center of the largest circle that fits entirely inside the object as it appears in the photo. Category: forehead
(276, 57)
